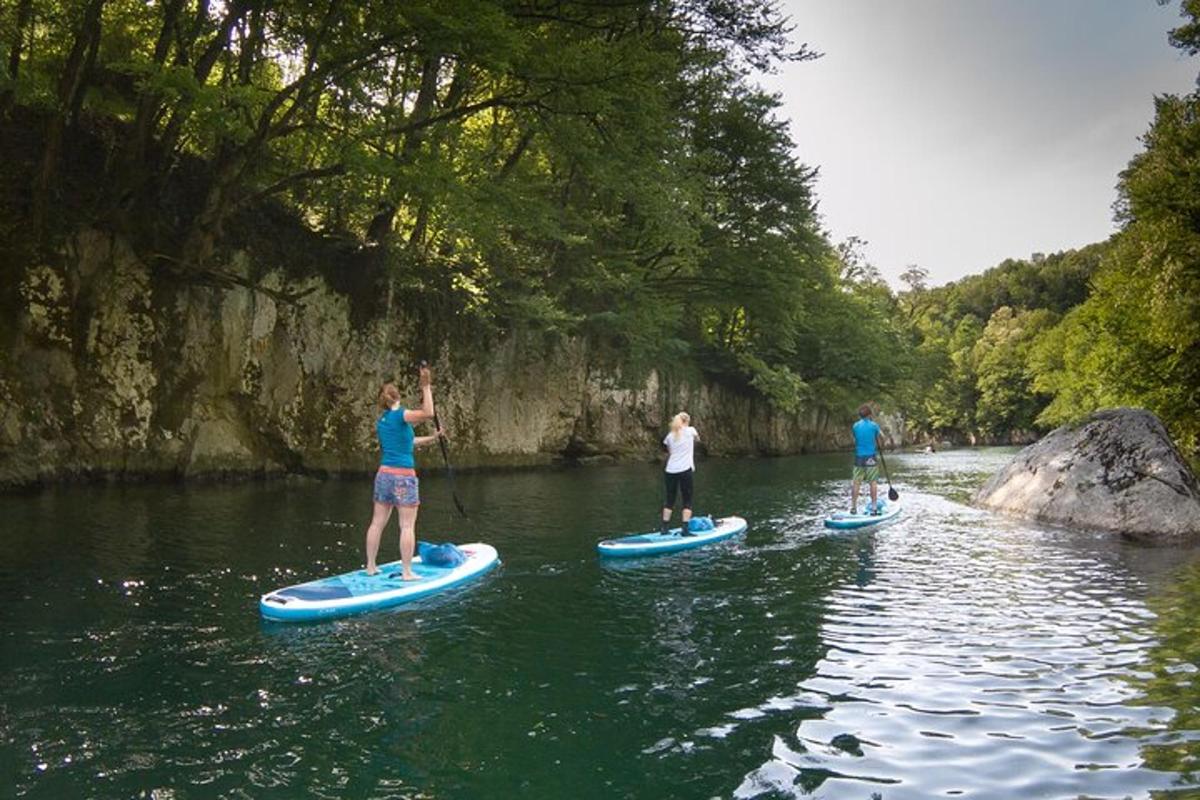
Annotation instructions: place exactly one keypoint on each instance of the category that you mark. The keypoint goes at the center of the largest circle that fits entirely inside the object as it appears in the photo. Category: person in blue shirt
(867, 444)
(396, 481)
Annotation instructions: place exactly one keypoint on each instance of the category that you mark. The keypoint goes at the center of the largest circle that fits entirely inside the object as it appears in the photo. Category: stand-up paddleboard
(651, 544)
(844, 520)
(355, 592)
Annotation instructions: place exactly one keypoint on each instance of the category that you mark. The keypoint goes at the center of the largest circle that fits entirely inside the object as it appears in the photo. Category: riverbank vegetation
(579, 169)
(1033, 344)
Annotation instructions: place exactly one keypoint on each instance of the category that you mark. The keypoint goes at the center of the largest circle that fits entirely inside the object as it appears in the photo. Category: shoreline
(96, 477)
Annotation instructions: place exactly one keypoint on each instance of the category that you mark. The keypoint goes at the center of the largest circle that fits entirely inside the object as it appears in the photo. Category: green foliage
(784, 388)
(1168, 677)
(1006, 398)
(1056, 282)
(576, 168)
(1136, 339)
(580, 168)
(971, 341)
(1115, 323)
(950, 403)
(1187, 36)
(1076, 363)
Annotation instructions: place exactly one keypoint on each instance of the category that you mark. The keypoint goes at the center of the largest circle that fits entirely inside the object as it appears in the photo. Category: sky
(953, 134)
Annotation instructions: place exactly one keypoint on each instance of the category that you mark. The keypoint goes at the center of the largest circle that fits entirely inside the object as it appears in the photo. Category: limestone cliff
(111, 369)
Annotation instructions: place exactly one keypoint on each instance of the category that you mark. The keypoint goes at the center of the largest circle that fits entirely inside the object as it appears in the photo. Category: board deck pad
(844, 520)
(355, 592)
(648, 544)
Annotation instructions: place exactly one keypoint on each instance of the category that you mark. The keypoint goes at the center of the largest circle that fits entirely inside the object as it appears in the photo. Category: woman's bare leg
(408, 540)
(379, 520)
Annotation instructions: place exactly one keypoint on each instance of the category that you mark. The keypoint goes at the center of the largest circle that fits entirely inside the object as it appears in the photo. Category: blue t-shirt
(395, 438)
(865, 431)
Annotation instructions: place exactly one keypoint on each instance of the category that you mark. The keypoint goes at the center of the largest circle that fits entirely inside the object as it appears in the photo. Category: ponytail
(389, 395)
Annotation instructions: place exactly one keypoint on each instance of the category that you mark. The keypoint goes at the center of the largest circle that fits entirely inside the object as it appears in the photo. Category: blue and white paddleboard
(355, 592)
(844, 520)
(651, 544)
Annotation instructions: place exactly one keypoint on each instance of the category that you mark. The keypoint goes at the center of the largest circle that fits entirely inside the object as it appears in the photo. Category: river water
(951, 654)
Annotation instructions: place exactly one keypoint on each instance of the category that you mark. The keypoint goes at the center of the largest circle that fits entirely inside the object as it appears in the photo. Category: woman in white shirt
(680, 468)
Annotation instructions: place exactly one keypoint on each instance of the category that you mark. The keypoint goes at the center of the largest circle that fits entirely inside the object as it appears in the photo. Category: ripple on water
(949, 654)
(959, 643)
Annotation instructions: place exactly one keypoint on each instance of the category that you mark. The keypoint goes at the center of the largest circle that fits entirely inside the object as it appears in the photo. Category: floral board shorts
(866, 469)
(397, 486)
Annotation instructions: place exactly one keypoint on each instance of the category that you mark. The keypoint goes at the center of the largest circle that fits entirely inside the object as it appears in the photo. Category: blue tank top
(395, 439)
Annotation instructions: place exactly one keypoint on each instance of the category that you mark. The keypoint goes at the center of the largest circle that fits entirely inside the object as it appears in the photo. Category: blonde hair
(678, 422)
(388, 396)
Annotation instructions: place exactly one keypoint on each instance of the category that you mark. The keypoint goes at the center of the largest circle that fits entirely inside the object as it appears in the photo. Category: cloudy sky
(956, 133)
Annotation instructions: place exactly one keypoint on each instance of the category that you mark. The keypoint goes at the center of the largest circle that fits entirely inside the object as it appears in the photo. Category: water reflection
(972, 654)
(952, 652)
(1168, 678)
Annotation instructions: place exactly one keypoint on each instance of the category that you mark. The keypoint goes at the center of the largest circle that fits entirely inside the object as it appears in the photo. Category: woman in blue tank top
(396, 481)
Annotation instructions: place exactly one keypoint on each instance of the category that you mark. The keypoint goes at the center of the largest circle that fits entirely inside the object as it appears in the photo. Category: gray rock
(1116, 471)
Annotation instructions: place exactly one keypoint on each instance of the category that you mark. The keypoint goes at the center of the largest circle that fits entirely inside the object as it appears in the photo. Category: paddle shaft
(449, 469)
(893, 495)
(437, 426)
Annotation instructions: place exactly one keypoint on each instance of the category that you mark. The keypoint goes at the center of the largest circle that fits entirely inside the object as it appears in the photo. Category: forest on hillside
(608, 170)
(1032, 344)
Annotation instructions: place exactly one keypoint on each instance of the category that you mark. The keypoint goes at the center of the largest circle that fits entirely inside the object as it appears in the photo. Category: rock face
(1117, 471)
(111, 369)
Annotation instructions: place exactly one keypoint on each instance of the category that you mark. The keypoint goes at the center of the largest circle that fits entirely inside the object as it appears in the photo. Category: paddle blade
(893, 495)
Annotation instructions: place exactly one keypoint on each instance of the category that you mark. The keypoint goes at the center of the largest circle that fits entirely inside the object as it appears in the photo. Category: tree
(573, 168)
(1136, 339)
(950, 403)
(1007, 401)
(915, 278)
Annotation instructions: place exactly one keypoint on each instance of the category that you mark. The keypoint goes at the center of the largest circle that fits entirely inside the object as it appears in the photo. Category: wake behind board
(844, 520)
(650, 544)
(355, 592)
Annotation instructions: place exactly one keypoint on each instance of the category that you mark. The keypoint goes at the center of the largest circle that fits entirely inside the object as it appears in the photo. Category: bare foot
(410, 576)
(371, 573)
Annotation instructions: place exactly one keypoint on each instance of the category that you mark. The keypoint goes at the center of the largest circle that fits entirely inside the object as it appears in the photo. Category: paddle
(437, 426)
(893, 495)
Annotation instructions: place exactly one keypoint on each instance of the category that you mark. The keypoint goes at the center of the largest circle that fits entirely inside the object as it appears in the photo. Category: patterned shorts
(866, 469)
(396, 486)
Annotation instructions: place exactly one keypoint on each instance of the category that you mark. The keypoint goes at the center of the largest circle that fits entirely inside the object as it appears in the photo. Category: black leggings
(679, 481)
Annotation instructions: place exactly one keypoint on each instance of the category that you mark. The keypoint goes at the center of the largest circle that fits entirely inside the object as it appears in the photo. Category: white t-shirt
(681, 449)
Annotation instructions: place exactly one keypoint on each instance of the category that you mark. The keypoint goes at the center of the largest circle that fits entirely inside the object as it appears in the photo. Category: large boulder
(1116, 471)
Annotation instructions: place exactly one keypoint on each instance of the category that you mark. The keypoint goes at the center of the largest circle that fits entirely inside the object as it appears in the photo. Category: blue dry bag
(699, 524)
(441, 555)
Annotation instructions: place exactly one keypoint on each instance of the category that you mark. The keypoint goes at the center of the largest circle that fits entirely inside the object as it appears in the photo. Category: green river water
(951, 654)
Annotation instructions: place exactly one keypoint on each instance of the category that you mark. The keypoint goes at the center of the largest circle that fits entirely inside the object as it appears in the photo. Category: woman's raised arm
(425, 412)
